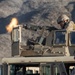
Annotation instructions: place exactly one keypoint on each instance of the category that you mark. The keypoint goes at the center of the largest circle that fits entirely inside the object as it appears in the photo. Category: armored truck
(55, 57)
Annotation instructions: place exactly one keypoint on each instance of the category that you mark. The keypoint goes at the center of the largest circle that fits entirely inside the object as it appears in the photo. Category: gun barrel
(32, 27)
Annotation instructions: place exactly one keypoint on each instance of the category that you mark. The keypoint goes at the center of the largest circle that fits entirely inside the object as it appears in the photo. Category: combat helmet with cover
(63, 18)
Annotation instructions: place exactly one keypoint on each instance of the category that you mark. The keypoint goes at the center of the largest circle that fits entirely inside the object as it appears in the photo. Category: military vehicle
(54, 57)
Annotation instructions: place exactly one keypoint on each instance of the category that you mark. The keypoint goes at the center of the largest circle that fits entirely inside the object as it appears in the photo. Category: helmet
(62, 18)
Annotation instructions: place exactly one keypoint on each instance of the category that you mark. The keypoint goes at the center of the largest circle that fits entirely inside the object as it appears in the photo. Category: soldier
(65, 23)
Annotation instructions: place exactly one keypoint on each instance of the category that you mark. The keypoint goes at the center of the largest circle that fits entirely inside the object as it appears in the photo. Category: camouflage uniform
(69, 26)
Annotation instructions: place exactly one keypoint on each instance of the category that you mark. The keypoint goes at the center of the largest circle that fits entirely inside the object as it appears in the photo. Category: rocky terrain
(35, 12)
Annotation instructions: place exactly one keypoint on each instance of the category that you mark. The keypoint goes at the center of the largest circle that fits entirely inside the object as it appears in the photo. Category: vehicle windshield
(15, 35)
(59, 37)
(24, 70)
(72, 37)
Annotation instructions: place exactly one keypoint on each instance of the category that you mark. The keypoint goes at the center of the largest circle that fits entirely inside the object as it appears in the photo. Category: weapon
(44, 32)
(38, 46)
(35, 28)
